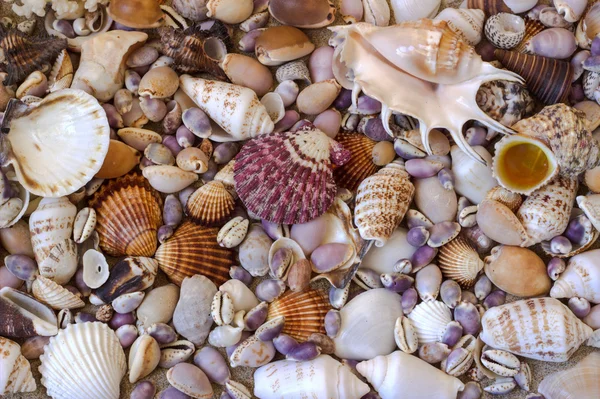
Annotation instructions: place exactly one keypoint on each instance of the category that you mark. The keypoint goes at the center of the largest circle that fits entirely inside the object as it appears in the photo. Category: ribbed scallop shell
(430, 320)
(361, 163)
(84, 361)
(506, 197)
(459, 261)
(61, 74)
(287, 177)
(210, 205)
(129, 215)
(193, 249)
(381, 202)
(15, 370)
(304, 312)
(532, 28)
(54, 295)
(580, 381)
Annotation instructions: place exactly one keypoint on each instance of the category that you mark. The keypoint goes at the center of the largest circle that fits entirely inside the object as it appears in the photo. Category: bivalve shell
(459, 261)
(578, 381)
(210, 205)
(54, 295)
(430, 320)
(361, 164)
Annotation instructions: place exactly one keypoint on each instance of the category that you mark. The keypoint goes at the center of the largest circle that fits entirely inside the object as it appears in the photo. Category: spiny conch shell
(304, 312)
(15, 370)
(94, 358)
(411, 10)
(506, 102)
(191, 250)
(580, 381)
(430, 320)
(580, 279)
(468, 23)
(61, 74)
(235, 108)
(564, 130)
(546, 212)
(101, 70)
(302, 188)
(365, 53)
(192, 317)
(364, 334)
(538, 328)
(210, 205)
(54, 295)
(401, 372)
(23, 316)
(381, 202)
(458, 260)
(471, 178)
(69, 122)
(320, 378)
(128, 216)
(360, 166)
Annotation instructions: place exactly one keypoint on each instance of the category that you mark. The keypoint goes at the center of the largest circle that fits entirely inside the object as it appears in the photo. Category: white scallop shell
(54, 295)
(466, 22)
(15, 370)
(410, 10)
(430, 320)
(581, 278)
(84, 361)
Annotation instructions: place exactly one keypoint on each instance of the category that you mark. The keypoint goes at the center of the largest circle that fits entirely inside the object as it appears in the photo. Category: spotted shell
(361, 163)
(459, 261)
(210, 205)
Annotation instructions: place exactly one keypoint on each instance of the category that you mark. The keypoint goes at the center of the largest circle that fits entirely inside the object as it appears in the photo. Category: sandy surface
(244, 375)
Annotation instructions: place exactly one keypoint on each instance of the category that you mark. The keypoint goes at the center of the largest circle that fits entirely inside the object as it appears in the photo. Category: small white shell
(144, 357)
(84, 225)
(233, 233)
(243, 298)
(274, 106)
(505, 30)
(95, 269)
(56, 296)
(411, 10)
(168, 179)
(430, 319)
(223, 336)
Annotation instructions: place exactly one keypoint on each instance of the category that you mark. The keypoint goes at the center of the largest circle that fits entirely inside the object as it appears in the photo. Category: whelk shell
(580, 279)
(16, 374)
(459, 261)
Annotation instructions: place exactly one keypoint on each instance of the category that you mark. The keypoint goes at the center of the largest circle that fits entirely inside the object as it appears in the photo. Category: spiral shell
(466, 22)
(580, 279)
(210, 205)
(459, 261)
(505, 30)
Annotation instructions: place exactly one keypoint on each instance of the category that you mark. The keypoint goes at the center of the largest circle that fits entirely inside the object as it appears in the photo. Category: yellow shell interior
(523, 165)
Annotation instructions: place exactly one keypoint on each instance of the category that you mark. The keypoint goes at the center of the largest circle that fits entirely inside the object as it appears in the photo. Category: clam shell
(94, 358)
(458, 260)
(192, 317)
(210, 205)
(360, 166)
(304, 312)
(578, 381)
(16, 374)
(129, 215)
(430, 320)
(54, 295)
(191, 250)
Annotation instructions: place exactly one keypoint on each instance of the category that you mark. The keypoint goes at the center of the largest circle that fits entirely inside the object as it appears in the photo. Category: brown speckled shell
(129, 214)
(193, 249)
(210, 205)
(506, 102)
(506, 197)
(458, 260)
(361, 163)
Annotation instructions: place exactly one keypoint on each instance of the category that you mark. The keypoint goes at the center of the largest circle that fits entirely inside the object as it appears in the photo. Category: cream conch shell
(15, 370)
(445, 72)
(581, 278)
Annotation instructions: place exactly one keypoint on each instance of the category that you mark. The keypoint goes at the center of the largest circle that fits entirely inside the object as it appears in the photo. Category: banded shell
(575, 382)
(304, 312)
(490, 7)
(128, 213)
(468, 23)
(54, 295)
(193, 249)
(537, 328)
(360, 166)
(210, 205)
(430, 320)
(94, 358)
(532, 28)
(15, 370)
(458, 260)
(23, 316)
(287, 177)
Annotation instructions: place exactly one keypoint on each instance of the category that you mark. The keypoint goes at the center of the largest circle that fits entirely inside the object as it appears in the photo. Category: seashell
(160, 82)
(532, 28)
(246, 71)
(16, 370)
(360, 166)
(212, 363)
(158, 306)
(590, 205)
(279, 44)
(254, 251)
(412, 10)
(84, 225)
(241, 296)
(229, 11)
(546, 329)
(311, 14)
(295, 70)
(506, 102)
(468, 23)
(139, 138)
(36, 84)
(508, 198)
(139, 14)
(579, 279)
(472, 179)
(128, 275)
(573, 382)
(168, 179)
(320, 64)
(192, 317)
(320, 378)
(554, 43)
(430, 320)
(376, 12)
(144, 357)
(274, 105)
(190, 380)
(128, 216)
(252, 352)
(194, 250)
(505, 30)
(129, 302)
(517, 271)
(233, 232)
(304, 312)
(572, 10)
(24, 316)
(135, 117)
(588, 27)
(93, 352)
(317, 97)
(580, 236)
(459, 261)
(194, 10)
(377, 215)
(119, 160)
(436, 202)
(210, 205)
(54, 295)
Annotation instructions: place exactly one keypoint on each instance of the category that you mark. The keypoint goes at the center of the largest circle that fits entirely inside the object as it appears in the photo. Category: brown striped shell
(361, 163)
(458, 260)
(193, 249)
(532, 28)
(490, 7)
(304, 312)
(128, 213)
(210, 205)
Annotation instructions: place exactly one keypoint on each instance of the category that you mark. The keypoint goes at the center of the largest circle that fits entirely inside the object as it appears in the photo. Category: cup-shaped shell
(466, 22)
(15, 370)
(54, 295)
(24, 316)
(361, 164)
(308, 14)
(279, 44)
(578, 381)
(128, 213)
(138, 14)
(505, 30)
(581, 278)
(430, 320)
(459, 261)
(210, 205)
(192, 317)
(191, 250)
(94, 358)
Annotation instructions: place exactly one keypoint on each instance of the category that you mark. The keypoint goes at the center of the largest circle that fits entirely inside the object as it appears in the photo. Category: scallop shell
(193, 249)
(287, 177)
(23, 316)
(510, 199)
(54, 295)
(430, 320)
(15, 370)
(458, 260)
(304, 312)
(67, 122)
(381, 202)
(537, 328)
(532, 28)
(84, 361)
(129, 215)
(468, 23)
(61, 74)
(580, 381)
(210, 205)
(360, 166)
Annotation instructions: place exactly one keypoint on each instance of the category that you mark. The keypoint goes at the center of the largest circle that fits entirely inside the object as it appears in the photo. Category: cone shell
(287, 177)
(580, 381)
(532, 28)
(304, 312)
(22, 316)
(510, 199)
(84, 361)
(210, 205)
(15, 370)
(381, 202)
(490, 7)
(547, 78)
(430, 320)
(361, 163)
(129, 215)
(54, 295)
(458, 260)
(193, 249)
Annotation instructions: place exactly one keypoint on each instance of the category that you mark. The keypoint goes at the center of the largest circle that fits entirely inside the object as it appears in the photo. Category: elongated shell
(128, 213)
(15, 370)
(194, 250)
(430, 320)
(458, 260)
(320, 378)
(538, 328)
(401, 372)
(84, 361)
(580, 381)
(210, 205)
(23, 316)
(70, 123)
(192, 317)
(360, 166)
(472, 179)
(56, 296)
(581, 278)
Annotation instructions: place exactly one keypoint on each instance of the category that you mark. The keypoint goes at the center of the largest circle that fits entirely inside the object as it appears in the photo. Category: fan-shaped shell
(430, 320)
(15, 370)
(84, 361)
(580, 381)
(360, 166)
(59, 144)
(304, 312)
(532, 28)
(458, 260)
(54, 295)
(210, 205)
(129, 214)
(193, 249)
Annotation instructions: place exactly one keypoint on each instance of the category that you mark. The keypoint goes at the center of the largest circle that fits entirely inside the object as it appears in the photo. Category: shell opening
(215, 49)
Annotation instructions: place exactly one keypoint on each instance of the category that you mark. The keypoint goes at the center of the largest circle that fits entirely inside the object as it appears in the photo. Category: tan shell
(15, 370)
(120, 160)
(138, 14)
(511, 200)
(500, 224)
(458, 260)
(279, 44)
(61, 74)
(576, 382)
(54, 295)
(139, 138)
(210, 205)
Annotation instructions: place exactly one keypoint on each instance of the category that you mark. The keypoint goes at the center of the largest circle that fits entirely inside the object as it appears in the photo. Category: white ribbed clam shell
(54, 295)
(581, 278)
(84, 361)
(15, 370)
(466, 22)
(430, 320)
(580, 381)
(459, 261)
